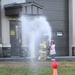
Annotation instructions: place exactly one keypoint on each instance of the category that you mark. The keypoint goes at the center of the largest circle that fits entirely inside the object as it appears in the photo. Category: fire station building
(59, 13)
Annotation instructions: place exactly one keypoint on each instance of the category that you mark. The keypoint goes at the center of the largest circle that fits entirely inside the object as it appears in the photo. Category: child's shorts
(53, 56)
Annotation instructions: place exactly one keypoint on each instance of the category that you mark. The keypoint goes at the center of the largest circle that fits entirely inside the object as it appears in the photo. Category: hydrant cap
(55, 64)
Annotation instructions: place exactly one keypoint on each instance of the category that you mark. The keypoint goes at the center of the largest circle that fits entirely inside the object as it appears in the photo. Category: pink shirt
(52, 49)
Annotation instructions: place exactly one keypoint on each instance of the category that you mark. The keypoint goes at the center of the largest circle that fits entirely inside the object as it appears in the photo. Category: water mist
(33, 29)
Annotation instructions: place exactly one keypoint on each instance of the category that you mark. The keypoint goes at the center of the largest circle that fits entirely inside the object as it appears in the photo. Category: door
(56, 12)
(15, 38)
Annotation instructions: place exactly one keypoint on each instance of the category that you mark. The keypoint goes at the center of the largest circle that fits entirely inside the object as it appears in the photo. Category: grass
(35, 68)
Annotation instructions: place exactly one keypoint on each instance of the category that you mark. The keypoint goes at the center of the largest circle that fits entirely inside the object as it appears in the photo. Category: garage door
(56, 12)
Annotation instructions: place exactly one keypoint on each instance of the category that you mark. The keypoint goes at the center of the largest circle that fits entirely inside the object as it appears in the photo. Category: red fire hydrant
(55, 66)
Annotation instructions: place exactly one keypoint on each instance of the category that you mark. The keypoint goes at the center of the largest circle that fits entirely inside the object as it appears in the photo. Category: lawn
(35, 68)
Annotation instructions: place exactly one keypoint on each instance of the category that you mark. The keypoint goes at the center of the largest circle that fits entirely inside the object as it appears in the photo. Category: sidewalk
(60, 58)
(66, 58)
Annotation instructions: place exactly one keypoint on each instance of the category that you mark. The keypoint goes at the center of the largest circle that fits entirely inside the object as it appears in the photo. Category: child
(52, 50)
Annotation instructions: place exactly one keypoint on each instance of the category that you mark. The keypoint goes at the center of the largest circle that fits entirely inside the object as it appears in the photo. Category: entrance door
(15, 38)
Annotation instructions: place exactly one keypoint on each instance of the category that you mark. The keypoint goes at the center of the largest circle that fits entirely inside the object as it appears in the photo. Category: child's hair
(52, 41)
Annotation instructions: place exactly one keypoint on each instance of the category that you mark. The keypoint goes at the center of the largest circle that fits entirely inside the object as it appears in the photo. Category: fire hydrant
(55, 66)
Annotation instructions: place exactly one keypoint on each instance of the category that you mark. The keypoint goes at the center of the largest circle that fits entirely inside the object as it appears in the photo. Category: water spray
(33, 29)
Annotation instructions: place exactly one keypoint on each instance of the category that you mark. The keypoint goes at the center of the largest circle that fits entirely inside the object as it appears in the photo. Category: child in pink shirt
(52, 50)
